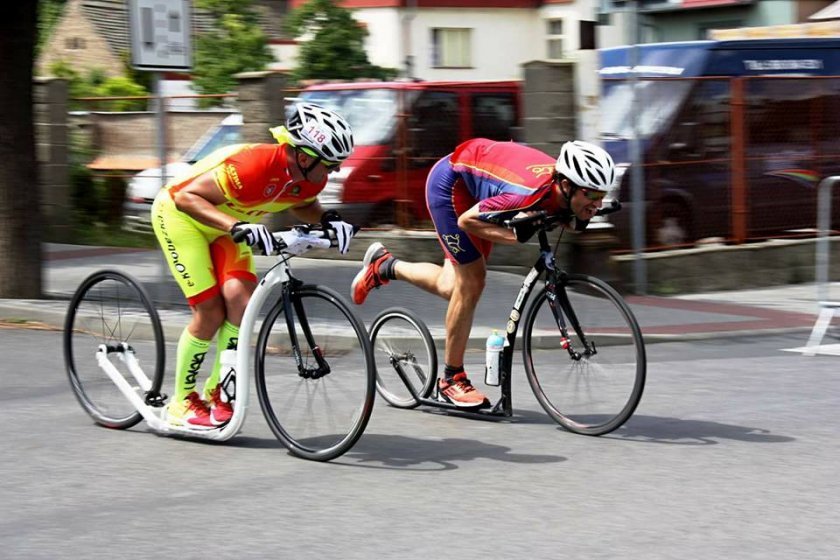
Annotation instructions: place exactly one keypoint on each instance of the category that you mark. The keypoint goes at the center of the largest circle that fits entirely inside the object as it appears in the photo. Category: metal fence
(737, 159)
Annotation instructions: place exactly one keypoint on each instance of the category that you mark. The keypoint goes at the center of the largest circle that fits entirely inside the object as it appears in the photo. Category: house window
(74, 43)
(555, 38)
(451, 47)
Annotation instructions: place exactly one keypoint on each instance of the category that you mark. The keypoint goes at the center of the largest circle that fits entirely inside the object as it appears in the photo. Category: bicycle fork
(293, 307)
(559, 297)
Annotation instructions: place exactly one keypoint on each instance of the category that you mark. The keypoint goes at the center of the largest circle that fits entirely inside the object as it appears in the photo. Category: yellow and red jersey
(254, 179)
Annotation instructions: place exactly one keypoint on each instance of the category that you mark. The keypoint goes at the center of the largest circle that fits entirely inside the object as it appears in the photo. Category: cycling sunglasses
(592, 194)
(330, 165)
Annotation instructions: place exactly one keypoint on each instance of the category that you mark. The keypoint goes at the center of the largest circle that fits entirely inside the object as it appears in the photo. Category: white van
(143, 187)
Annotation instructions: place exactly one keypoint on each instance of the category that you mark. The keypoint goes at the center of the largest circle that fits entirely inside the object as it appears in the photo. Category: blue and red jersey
(505, 177)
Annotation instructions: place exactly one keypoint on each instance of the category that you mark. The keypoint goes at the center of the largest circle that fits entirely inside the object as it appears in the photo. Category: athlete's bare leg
(237, 293)
(430, 277)
(462, 285)
(466, 291)
(209, 315)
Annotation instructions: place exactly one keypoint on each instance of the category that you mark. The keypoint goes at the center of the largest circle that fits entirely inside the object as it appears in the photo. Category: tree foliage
(237, 44)
(49, 12)
(96, 84)
(332, 44)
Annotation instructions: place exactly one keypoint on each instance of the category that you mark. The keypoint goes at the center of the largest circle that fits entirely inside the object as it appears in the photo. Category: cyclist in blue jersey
(469, 193)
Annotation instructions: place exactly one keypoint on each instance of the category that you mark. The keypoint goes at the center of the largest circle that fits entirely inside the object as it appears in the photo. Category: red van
(401, 129)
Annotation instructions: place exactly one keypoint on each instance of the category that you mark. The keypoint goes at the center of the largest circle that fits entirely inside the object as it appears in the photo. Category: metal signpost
(637, 178)
(160, 42)
(632, 23)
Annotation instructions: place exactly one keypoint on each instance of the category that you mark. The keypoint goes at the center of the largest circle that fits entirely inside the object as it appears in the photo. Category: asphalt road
(732, 454)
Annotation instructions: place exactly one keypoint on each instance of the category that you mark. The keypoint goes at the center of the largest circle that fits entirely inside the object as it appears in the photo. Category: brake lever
(614, 206)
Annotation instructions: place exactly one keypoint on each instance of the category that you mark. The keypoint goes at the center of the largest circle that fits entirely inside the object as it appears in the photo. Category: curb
(52, 313)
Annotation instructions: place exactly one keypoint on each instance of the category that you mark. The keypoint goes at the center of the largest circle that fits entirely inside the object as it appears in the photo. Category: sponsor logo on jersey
(541, 169)
(230, 171)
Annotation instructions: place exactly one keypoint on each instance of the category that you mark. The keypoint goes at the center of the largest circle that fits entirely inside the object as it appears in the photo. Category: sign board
(790, 31)
(160, 34)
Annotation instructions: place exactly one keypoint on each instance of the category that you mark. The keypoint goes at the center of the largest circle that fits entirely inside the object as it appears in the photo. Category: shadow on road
(377, 451)
(657, 429)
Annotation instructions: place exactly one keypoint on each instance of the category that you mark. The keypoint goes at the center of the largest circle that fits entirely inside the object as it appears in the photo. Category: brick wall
(50, 114)
(548, 99)
(135, 134)
(262, 103)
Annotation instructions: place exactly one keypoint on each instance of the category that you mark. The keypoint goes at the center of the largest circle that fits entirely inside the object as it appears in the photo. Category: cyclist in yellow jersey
(195, 217)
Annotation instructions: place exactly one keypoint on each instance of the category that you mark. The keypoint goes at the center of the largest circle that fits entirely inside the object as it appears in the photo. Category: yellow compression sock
(227, 339)
(191, 354)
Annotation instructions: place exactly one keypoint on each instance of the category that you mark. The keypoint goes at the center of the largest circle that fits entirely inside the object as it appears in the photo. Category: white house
(467, 40)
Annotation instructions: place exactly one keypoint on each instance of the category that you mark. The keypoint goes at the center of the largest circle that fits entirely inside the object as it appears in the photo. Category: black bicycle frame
(504, 406)
(292, 305)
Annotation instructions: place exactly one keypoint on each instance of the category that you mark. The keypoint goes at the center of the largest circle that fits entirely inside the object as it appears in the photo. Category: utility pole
(637, 177)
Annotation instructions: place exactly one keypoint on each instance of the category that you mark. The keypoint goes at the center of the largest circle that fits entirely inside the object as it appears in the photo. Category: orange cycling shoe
(460, 392)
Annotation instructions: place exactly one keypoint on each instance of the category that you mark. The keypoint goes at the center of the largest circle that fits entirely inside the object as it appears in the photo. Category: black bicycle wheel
(596, 391)
(110, 309)
(317, 415)
(401, 341)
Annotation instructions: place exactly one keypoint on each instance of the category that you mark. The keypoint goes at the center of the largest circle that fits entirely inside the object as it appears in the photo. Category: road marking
(824, 349)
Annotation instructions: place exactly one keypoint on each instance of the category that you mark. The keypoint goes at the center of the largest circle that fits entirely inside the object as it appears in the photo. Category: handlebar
(314, 234)
(316, 238)
(614, 206)
(549, 221)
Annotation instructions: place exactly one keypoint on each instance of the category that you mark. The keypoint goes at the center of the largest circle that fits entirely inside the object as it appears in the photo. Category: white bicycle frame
(155, 416)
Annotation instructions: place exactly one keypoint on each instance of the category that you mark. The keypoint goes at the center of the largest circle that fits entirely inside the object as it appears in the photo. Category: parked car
(143, 187)
(400, 130)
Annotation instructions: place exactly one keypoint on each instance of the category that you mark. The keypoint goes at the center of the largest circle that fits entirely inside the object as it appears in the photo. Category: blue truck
(735, 135)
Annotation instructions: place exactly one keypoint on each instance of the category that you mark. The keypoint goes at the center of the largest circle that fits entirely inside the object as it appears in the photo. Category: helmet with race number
(321, 132)
(586, 165)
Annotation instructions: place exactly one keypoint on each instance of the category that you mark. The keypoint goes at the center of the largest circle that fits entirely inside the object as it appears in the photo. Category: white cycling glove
(295, 243)
(344, 231)
(255, 235)
(343, 234)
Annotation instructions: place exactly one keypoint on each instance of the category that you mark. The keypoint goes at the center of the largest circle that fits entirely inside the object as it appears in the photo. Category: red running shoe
(368, 278)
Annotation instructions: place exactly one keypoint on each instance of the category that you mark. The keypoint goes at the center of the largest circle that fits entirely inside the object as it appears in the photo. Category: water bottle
(227, 376)
(493, 364)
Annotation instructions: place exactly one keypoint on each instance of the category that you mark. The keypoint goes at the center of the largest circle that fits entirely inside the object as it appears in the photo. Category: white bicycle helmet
(586, 165)
(324, 132)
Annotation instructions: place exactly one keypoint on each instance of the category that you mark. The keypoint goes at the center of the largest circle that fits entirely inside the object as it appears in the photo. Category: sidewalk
(784, 309)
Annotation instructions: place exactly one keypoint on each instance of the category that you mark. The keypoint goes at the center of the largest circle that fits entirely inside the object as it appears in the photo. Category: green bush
(96, 84)
(113, 197)
(83, 192)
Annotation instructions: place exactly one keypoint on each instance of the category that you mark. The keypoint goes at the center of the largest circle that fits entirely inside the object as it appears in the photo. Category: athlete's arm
(308, 213)
(199, 199)
(471, 222)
